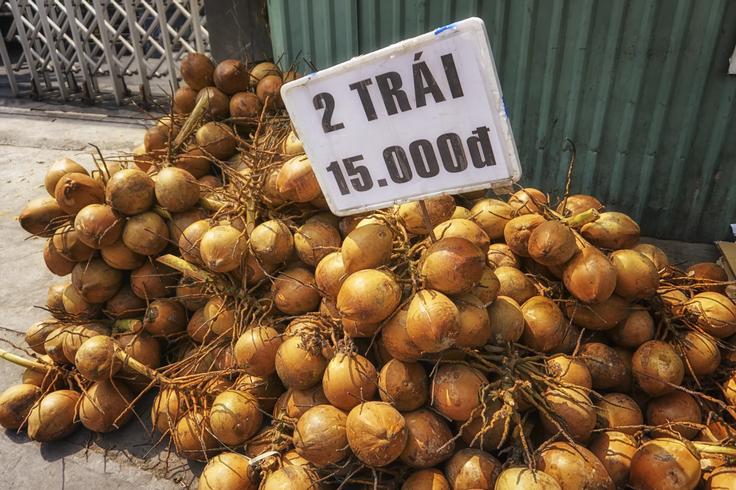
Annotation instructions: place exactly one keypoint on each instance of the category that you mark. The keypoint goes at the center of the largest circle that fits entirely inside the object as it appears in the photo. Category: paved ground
(31, 137)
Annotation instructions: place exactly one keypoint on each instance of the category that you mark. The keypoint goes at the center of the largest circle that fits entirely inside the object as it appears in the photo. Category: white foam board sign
(416, 119)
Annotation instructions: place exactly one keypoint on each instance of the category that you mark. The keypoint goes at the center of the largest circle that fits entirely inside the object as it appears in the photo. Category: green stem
(162, 212)
(191, 122)
(250, 216)
(581, 219)
(140, 368)
(129, 325)
(711, 448)
(23, 362)
(211, 203)
(185, 267)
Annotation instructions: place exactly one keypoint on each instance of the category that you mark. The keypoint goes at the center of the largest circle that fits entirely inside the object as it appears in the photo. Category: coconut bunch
(215, 111)
(462, 346)
(434, 348)
(162, 274)
(439, 357)
(463, 342)
(115, 314)
(506, 349)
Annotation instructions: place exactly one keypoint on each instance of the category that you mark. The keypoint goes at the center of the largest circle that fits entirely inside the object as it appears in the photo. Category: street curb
(72, 115)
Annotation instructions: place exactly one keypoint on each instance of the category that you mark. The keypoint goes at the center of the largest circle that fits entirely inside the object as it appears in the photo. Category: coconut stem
(162, 212)
(710, 448)
(191, 122)
(140, 368)
(211, 203)
(127, 325)
(570, 168)
(250, 216)
(184, 267)
(22, 361)
(581, 219)
(427, 221)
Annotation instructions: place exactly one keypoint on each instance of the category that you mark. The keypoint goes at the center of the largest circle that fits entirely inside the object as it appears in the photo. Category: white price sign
(419, 118)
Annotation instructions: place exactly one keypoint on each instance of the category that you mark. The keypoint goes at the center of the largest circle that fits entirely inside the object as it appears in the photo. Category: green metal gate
(640, 86)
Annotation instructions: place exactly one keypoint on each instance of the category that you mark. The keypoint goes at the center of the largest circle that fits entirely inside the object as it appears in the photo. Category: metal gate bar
(5, 58)
(96, 50)
(167, 43)
(199, 43)
(43, 17)
(77, 41)
(23, 38)
(136, 39)
(107, 48)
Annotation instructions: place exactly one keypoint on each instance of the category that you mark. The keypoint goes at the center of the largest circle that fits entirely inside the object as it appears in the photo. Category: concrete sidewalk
(31, 137)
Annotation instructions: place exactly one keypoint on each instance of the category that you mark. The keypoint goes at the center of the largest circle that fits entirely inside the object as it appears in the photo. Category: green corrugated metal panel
(640, 86)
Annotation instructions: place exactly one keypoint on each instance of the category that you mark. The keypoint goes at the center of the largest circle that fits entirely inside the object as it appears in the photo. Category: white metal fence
(94, 49)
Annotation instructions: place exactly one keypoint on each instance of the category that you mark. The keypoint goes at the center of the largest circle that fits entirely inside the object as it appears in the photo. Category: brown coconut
(665, 463)
(54, 416)
(348, 380)
(518, 230)
(272, 242)
(456, 390)
(636, 275)
(715, 313)
(296, 181)
(472, 468)
(544, 324)
(320, 435)
(16, 403)
(657, 368)
(231, 76)
(76, 190)
(433, 321)
(146, 234)
(590, 276)
(429, 441)
(551, 243)
(615, 450)
(106, 406)
(376, 433)
(612, 230)
(216, 139)
(299, 366)
(130, 192)
(619, 412)
(57, 170)
(354, 304)
(197, 70)
(574, 467)
(39, 216)
(451, 265)
(404, 385)
(367, 247)
(439, 209)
